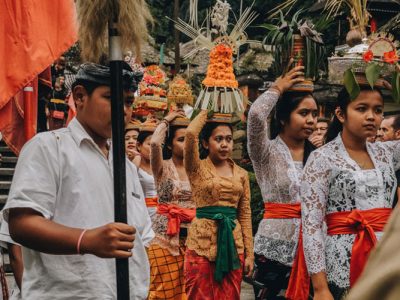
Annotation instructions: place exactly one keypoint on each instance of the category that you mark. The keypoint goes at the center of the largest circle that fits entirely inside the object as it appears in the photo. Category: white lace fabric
(278, 178)
(333, 182)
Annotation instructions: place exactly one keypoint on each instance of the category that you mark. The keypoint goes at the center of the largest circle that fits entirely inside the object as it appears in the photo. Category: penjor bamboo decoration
(133, 16)
(126, 28)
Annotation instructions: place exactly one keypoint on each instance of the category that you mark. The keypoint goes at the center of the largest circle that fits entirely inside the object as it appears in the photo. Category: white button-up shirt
(64, 176)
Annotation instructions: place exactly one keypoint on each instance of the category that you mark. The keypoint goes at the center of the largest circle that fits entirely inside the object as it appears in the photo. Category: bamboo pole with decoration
(126, 27)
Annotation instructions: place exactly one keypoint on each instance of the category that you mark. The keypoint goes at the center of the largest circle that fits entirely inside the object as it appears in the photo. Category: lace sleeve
(314, 192)
(156, 157)
(244, 217)
(257, 128)
(191, 155)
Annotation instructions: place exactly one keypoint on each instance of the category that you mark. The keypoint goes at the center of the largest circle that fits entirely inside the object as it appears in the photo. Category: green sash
(227, 257)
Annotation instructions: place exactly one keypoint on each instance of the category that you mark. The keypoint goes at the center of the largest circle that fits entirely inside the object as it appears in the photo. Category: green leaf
(267, 26)
(351, 84)
(289, 37)
(274, 39)
(281, 17)
(295, 17)
(196, 111)
(372, 73)
(396, 87)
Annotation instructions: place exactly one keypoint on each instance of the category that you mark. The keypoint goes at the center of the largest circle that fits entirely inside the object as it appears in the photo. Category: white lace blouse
(278, 178)
(334, 182)
(149, 188)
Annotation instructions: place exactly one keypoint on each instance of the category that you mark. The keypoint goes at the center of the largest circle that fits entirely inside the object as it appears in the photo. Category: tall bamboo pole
(119, 160)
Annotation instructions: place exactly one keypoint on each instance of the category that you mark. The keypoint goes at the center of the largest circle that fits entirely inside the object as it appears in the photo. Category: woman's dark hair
(167, 149)
(286, 105)
(343, 100)
(206, 134)
(143, 135)
(131, 129)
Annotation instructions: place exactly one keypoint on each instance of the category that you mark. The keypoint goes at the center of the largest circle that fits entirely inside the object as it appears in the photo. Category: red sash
(299, 282)
(176, 215)
(151, 202)
(363, 223)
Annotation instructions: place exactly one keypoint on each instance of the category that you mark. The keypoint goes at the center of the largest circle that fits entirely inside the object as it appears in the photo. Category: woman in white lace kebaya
(278, 165)
(350, 184)
(144, 168)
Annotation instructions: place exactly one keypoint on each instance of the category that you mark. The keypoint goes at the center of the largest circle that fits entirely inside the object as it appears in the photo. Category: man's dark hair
(396, 122)
(323, 120)
(88, 85)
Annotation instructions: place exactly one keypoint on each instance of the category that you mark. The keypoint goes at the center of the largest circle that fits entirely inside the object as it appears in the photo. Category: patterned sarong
(166, 274)
(201, 284)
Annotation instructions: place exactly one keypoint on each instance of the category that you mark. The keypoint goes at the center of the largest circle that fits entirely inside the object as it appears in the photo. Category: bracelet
(275, 87)
(78, 245)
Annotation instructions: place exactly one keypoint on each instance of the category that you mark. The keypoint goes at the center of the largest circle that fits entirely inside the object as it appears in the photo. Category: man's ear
(79, 93)
(397, 134)
(339, 114)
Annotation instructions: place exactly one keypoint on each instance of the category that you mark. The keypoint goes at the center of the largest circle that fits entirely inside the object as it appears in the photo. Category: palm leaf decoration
(281, 35)
(359, 15)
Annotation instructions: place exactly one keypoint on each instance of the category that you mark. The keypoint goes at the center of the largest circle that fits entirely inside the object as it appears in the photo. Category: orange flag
(32, 35)
(13, 126)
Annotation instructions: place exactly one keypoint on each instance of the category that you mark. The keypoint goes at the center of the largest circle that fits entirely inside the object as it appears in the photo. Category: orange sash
(151, 202)
(299, 282)
(176, 215)
(363, 223)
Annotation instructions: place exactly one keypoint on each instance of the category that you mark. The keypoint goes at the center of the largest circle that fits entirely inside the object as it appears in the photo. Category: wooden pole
(176, 37)
(118, 145)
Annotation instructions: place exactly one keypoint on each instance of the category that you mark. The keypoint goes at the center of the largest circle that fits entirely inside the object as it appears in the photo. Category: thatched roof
(151, 54)
(255, 59)
(199, 60)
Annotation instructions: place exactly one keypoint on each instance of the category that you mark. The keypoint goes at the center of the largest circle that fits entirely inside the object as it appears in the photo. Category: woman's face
(363, 115)
(220, 143)
(303, 120)
(144, 149)
(131, 139)
(178, 142)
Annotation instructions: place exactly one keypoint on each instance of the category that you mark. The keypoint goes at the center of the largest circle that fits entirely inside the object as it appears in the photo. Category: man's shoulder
(48, 136)
(43, 143)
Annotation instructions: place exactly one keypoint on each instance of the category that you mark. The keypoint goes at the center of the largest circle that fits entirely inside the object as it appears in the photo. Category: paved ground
(246, 294)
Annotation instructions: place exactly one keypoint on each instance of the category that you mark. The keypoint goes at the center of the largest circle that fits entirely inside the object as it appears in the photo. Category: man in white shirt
(63, 185)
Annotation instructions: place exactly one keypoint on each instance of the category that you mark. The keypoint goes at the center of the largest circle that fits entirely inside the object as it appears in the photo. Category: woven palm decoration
(220, 89)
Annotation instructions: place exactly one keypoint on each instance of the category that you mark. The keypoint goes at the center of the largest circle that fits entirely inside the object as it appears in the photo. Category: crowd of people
(328, 188)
